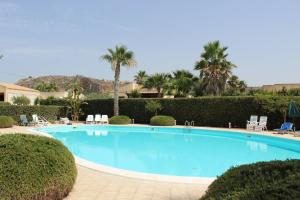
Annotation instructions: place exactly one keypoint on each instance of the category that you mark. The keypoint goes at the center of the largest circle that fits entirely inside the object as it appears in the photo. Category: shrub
(121, 119)
(205, 111)
(264, 180)
(161, 120)
(21, 101)
(153, 106)
(49, 112)
(6, 122)
(35, 167)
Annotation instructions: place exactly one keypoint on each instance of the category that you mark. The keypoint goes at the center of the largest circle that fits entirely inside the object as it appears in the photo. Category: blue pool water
(172, 151)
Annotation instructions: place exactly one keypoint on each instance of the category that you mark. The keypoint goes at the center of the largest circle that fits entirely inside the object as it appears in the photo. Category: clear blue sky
(67, 37)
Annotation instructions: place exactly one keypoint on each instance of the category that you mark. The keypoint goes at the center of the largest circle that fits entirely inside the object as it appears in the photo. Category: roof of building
(17, 87)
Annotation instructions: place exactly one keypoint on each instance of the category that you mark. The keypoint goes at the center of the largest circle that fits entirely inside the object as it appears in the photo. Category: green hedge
(162, 120)
(4, 103)
(274, 180)
(35, 167)
(121, 120)
(6, 122)
(52, 101)
(205, 111)
(49, 112)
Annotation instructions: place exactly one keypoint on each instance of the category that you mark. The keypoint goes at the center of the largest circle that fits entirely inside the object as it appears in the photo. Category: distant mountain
(90, 85)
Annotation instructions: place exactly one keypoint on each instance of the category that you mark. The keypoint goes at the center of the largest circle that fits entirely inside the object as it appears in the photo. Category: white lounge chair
(104, 119)
(262, 124)
(89, 119)
(252, 123)
(65, 120)
(97, 118)
(38, 120)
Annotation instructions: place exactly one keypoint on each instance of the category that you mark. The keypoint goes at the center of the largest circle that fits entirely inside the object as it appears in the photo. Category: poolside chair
(36, 120)
(262, 124)
(252, 123)
(97, 118)
(89, 119)
(285, 127)
(104, 119)
(65, 120)
(23, 120)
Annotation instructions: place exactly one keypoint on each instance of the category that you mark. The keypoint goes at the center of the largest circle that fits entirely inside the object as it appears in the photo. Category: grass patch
(162, 120)
(274, 180)
(35, 168)
(120, 120)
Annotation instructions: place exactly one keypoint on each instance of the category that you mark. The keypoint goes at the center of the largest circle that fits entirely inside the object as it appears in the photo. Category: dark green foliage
(35, 167)
(161, 120)
(21, 101)
(275, 180)
(6, 122)
(205, 111)
(54, 102)
(121, 120)
(2, 103)
(49, 112)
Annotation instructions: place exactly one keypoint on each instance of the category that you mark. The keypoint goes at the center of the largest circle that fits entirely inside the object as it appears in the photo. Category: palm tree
(118, 57)
(141, 77)
(159, 81)
(214, 68)
(182, 82)
(235, 86)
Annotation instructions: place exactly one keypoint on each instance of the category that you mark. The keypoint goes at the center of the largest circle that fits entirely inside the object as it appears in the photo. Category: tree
(44, 87)
(141, 77)
(153, 106)
(1, 56)
(134, 94)
(235, 86)
(74, 100)
(118, 57)
(214, 68)
(158, 81)
(21, 100)
(182, 82)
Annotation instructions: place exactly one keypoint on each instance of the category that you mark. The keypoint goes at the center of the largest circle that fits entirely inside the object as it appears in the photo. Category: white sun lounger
(252, 123)
(262, 124)
(90, 119)
(97, 118)
(39, 120)
(104, 119)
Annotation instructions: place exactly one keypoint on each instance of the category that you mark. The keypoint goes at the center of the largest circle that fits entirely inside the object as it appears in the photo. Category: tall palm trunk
(116, 90)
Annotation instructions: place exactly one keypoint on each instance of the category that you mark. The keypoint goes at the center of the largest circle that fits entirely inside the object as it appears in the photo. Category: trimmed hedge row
(35, 167)
(49, 112)
(6, 122)
(264, 180)
(205, 111)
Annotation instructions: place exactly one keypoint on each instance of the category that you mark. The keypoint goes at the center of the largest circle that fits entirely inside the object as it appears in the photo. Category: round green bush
(6, 122)
(162, 120)
(274, 180)
(35, 168)
(121, 120)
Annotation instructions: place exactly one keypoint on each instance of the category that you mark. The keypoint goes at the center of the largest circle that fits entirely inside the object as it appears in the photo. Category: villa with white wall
(8, 91)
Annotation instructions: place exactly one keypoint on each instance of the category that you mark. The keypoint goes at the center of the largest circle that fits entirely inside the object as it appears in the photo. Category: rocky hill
(90, 85)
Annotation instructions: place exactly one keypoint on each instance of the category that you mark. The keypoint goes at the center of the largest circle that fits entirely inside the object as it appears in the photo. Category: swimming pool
(187, 152)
